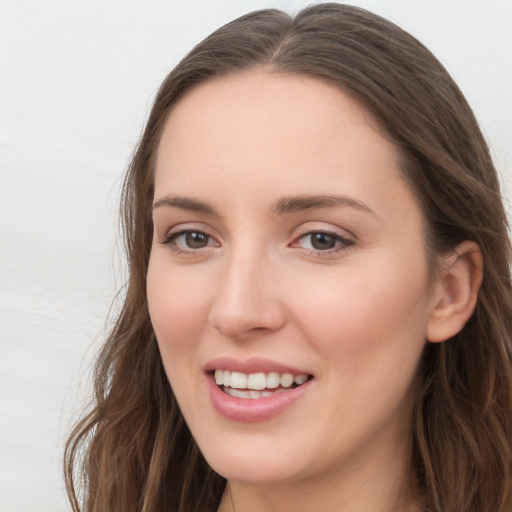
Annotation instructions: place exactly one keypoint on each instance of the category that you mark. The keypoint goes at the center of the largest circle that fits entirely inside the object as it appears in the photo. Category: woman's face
(287, 247)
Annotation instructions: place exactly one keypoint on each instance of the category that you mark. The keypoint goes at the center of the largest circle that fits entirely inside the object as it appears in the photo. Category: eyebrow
(184, 203)
(305, 202)
(282, 206)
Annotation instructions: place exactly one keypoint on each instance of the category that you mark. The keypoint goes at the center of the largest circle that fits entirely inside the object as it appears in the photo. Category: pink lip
(252, 410)
(252, 365)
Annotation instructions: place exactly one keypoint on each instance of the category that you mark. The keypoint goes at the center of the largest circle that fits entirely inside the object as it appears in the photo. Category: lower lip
(252, 410)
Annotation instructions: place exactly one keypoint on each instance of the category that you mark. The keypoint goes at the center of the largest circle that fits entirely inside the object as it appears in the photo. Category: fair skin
(286, 239)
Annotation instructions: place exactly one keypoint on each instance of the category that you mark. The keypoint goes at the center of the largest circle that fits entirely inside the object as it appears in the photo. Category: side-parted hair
(134, 453)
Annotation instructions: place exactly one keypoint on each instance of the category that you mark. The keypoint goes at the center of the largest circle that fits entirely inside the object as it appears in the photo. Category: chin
(252, 464)
(260, 473)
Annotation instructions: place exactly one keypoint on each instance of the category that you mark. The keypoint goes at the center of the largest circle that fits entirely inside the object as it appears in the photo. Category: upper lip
(251, 365)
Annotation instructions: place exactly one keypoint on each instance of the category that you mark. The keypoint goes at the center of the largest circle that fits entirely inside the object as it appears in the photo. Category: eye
(322, 241)
(193, 239)
(189, 240)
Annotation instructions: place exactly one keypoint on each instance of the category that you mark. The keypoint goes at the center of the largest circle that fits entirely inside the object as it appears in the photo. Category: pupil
(196, 240)
(322, 241)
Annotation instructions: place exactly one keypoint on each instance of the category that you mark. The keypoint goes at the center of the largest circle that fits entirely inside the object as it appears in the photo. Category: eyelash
(170, 240)
(341, 243)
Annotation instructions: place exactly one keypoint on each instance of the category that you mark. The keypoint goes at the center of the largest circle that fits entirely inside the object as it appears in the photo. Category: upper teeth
(258, 381)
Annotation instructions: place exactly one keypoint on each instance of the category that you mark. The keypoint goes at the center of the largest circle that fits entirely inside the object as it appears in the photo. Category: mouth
(257, 385)
(256, 389)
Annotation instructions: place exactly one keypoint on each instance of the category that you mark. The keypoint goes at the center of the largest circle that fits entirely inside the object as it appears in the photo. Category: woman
(318, 309)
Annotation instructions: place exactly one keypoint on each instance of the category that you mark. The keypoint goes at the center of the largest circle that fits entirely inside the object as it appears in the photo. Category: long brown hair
(134, 452)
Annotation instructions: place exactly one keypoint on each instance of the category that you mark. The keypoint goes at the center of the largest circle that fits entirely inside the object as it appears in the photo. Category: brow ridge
(184, 203)
(283, 205)
(307, 202)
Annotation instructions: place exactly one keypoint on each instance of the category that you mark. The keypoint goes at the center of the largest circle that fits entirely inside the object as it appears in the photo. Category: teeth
(300, 379)
(238, 393)
(256, 381)
(287, 380)
(250, 394)
(273, 380)
(238, 380)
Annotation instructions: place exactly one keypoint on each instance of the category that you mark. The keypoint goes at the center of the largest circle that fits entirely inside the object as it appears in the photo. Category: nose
(247, 301)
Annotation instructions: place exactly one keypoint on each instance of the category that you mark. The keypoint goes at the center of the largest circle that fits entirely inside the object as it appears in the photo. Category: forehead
(242, 100)
(263, 130)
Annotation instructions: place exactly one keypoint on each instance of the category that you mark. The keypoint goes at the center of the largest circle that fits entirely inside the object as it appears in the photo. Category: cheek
(179, 301)
(175, 306)
(367, 316)
(369, 333)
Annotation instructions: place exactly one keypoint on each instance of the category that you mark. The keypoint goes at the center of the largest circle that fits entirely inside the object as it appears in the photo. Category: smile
(255, 389)
(257, 385)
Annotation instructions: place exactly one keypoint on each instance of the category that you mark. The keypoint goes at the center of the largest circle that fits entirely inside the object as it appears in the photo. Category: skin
(355, 316)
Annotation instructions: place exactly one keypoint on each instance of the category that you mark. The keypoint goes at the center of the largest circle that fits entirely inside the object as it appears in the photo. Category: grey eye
(195, 240)
(319, 241)
(322, 241)
(189, 240)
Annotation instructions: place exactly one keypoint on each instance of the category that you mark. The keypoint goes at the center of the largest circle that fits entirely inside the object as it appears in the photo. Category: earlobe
(456, 293)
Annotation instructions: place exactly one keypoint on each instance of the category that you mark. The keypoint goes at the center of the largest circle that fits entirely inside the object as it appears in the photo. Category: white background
(76, 82)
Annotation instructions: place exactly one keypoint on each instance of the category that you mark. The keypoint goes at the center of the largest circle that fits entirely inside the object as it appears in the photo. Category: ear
(456, 292)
